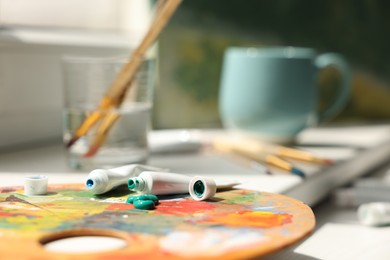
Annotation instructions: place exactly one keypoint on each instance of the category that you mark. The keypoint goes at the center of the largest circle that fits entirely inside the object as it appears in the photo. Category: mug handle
(336, 60)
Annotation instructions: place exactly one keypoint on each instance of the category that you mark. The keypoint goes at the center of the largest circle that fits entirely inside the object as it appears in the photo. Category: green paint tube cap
(136, 184)
(202, 188)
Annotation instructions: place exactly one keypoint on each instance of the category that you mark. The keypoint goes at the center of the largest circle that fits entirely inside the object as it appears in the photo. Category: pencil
(252, 152)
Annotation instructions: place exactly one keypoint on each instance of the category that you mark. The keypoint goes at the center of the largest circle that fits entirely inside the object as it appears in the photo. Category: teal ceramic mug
(271, 93)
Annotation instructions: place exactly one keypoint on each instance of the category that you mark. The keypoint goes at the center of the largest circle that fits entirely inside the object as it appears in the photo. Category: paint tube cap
(374, 214)
(136, 184)
(35, 185)
(97, 181)
(202, 188)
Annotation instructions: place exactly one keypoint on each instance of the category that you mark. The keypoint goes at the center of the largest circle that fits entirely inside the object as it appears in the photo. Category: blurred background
(35, 34)
(191, 52)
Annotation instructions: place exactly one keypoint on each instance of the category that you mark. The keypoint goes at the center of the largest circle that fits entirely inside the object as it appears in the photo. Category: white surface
(132, 15)
(77, 245)
(25, 112)
(346, 241)
(352, 136)
(16, 179)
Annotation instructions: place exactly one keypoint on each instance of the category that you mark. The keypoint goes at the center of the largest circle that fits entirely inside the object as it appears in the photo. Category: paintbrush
(256, 165)
(300, 155)
(115, 93)
(282, 151)
(102, 131)
(287, 152)
(251, 151)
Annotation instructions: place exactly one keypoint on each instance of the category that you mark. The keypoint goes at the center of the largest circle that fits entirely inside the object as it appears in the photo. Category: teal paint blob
(148, 197)
(143, 204)
(130, 199)
(153, 197)
(144, 201)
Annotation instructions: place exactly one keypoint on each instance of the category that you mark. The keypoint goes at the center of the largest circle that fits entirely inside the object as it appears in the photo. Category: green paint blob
(144, 204)
(144, 201)
(153, 197)
(199, 188)
(148, 197)
(130, 199)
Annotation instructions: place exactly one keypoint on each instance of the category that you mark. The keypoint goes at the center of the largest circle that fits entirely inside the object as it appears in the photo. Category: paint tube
(100, 181)
(176, 141)
(363, 191)
(374, 214)
(164, 183)
(160, 183)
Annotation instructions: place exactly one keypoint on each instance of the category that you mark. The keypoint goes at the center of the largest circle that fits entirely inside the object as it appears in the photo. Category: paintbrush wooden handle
(251, 150)
(126, 75)
(115, 93)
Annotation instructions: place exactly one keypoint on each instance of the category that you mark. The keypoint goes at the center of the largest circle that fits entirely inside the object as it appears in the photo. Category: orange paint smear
(5, 214)
(183, 207)
(120, 206)
(261, 219)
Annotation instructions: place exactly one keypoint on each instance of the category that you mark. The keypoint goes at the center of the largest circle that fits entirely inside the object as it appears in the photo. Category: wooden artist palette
(235, 224)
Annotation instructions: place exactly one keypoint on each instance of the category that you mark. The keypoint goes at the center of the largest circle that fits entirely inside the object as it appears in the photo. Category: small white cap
(35, 185)
(374, 214)
(202, 188)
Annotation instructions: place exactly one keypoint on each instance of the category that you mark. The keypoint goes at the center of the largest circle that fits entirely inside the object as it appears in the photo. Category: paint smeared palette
(234, 224)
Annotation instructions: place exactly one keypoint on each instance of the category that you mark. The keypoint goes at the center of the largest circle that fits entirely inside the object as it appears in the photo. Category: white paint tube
(100, 181)
(166, 183)
(160, 183)
(363, 191)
